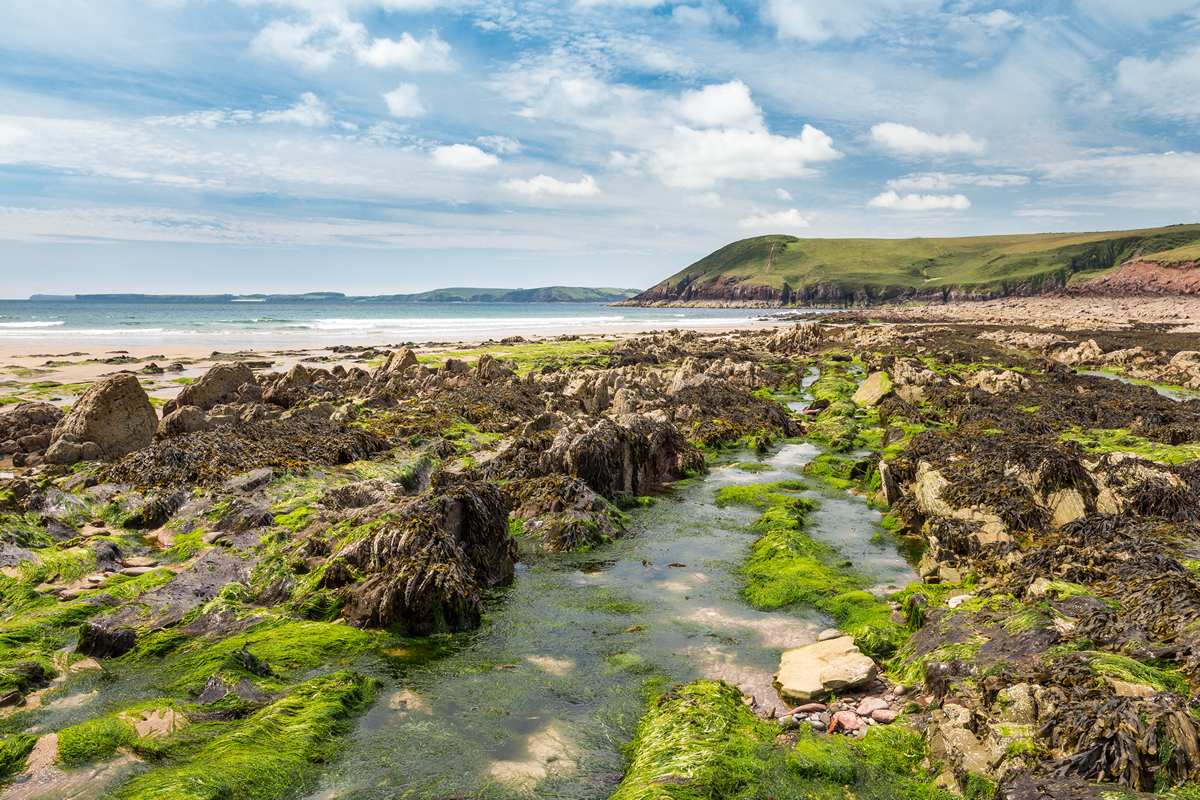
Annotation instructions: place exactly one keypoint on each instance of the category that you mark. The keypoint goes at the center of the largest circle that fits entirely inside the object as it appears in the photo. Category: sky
(385, 146)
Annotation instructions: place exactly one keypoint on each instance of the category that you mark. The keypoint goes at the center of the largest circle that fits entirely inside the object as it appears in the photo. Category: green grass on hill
(898, 266)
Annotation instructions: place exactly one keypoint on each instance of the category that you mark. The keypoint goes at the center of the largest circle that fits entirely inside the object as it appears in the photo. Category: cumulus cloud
(919, 202)
(910, 141)
(463, 156)
(316, 43)
(942, 181)
(309, 112)
(779, 221)
(417, 55)
(820, 20)
(404, 101)
(721, 105)
(783, 194)
(544, 184)
(698, 159)
(500, 144)
(708, 199)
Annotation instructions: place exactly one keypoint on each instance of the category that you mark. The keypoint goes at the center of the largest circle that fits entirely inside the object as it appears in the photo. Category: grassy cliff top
(930, 263)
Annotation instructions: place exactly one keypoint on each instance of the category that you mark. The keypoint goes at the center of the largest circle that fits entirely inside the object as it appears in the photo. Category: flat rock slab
(876, 387)
(814, 671)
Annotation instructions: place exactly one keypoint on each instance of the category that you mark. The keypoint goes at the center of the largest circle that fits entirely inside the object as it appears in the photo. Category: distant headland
(545, 294)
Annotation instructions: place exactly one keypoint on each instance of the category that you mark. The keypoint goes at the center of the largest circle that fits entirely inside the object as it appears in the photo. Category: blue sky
(379, 146)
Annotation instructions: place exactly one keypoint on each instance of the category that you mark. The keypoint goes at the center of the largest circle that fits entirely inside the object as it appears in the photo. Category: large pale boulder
(815, 671)
(876, 387)
(397, 362)
(115, 413)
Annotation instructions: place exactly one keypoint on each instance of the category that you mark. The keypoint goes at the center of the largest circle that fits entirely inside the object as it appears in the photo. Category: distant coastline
(543, 294)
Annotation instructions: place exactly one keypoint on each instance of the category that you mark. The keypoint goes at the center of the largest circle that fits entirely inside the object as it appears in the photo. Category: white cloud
(699, 159)
(708, 200)
(429, 54)
(721, 105)
(820, 20)
(783, 194)
(1169, 87)
(309, 112)
(463, 156)
(208, 118)
(312, 45)
(500, 144)
(544, 184)
(778, 222)
(998, 20)
(942, 181)
(12, 134)
(708, 14)
(404, 101)
(919, 202)
(911, 141)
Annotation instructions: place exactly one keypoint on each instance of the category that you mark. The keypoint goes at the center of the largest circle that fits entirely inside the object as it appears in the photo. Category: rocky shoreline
(242, 550)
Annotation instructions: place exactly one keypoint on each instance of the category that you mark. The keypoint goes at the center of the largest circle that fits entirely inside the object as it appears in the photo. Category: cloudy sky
(379, 146)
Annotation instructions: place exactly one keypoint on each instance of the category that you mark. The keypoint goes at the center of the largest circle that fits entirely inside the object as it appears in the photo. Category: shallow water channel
(541, 698)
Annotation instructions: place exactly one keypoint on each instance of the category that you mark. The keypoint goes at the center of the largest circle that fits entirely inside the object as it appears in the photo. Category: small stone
(134, 572)
(139, 561)
(68, 594)
(12, 699)
(845, 721)
(901, 690)
(817, 725)
(212, 536)
(829, 633)
(787, 723)
(958, 600)
(808, 708)
(870, 705)
(884, 716)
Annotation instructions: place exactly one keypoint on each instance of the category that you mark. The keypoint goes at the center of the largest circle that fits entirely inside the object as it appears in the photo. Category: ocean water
(25, 323)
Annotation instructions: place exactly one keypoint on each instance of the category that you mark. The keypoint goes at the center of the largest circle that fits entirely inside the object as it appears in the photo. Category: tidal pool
(542, 697)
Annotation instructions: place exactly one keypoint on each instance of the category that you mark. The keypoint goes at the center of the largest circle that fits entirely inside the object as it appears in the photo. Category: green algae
(787, 568)
(1122, 440)
(14, 750)
(283, 646)
(271, 754)
(699, 741)
(93, 740)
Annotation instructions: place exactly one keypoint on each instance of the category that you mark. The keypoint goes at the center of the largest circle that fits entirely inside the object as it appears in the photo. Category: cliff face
(727, 291)
(1144, 278)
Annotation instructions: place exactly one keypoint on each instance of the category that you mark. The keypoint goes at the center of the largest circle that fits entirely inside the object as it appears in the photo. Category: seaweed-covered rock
(26, 427)
(563, 512)
(185, 419)
(115, 413)
(801, 337)
(428, 567)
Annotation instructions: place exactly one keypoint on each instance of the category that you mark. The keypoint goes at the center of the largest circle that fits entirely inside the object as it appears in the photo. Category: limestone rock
(816, 670)
(115, 413)
(876, 387)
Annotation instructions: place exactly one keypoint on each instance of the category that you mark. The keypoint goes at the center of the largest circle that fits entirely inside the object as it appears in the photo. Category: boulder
(115, 413)
(212, 388)
(396, 363)
(185, 419)
(815, 671)
(876, 387)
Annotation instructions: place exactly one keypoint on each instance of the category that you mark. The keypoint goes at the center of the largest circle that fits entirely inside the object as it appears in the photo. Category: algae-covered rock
(876, 387)
(218, 385)
(815, 671)
(115, 413)
(428, 568)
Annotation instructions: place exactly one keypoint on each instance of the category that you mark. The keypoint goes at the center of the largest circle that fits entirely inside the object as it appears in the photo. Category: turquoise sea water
(250, 325)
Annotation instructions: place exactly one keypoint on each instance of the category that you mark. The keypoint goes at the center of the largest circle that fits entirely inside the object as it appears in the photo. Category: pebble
(870, 705)
(845, 721)
(134, 572)
(68, 594)
(789, 722)
(140, 561)
(808, 708)
(212, 537)
(829, 633)
(958, 600)
(817, 725)
(884, 716)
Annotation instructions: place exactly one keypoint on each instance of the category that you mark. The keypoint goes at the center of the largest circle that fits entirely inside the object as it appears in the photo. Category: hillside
(785, 270)
(545, 294)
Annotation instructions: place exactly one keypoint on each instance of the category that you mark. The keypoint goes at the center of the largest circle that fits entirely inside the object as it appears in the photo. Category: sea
(250, 325)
